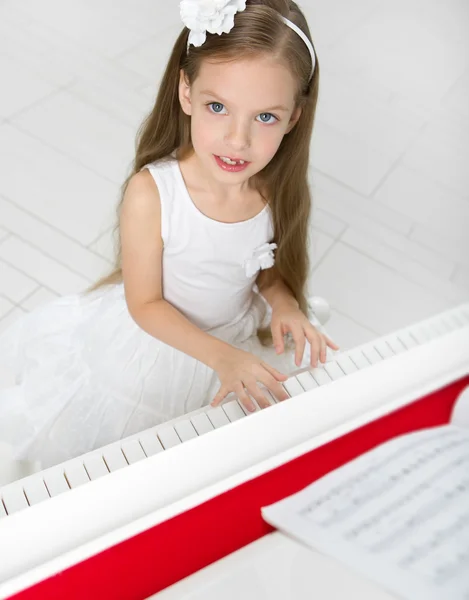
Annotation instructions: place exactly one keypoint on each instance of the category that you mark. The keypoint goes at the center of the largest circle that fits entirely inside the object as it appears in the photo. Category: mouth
(231, 164)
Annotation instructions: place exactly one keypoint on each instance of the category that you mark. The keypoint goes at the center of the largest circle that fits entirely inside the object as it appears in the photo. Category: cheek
(203, 130)
(271, 141)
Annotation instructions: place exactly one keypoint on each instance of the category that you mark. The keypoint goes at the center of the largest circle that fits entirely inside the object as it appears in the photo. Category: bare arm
(274, 290)
(142, 249)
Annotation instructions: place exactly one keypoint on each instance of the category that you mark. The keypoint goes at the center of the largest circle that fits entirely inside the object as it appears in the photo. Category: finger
(277, 337)
(275, 387)
(314, 340)
(323, 346)
(244, 398)
(255, 391)
(221, 394)
(278, 376)
(300, 341)
(331, 344)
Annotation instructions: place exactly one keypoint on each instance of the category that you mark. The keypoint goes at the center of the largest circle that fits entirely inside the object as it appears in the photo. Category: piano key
(233, 410)
(3, 512)
(293, 387)
(217, 417)
(439, 326)
(114, 458)
(76, 474)
(168, 437)
(35, 490)
(269, 396)
(56, 482)
(384, 349)
(448, 323)
(346, 364)
(13, 498)
(132, 451)
(185, 430)
(320, 375)
(420, 333)
(457, 319)
(407, 339)
(395, 344)
(359, 359)
(333, 370)
(201, 423)
(371, 354)
(150, 443)
(95, 466)
(307, 381)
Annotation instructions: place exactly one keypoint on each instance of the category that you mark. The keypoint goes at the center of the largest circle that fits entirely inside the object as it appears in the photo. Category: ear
(294, 119)
(184, 93)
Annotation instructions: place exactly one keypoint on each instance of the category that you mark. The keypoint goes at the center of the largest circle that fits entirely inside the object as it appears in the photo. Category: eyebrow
(279, 107)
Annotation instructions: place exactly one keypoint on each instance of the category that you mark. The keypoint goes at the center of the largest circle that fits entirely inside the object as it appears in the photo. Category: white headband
(217, 16)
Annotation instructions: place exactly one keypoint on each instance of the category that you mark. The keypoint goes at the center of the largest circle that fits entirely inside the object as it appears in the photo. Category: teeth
(228, 161)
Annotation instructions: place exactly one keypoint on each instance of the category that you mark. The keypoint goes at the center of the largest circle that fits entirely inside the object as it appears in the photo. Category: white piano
(111, 520)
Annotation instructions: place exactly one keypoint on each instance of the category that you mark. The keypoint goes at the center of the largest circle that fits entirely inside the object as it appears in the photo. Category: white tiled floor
(389, 155)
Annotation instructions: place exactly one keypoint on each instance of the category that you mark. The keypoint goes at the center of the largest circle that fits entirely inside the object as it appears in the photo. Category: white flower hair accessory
(262, 258)
(214, 16)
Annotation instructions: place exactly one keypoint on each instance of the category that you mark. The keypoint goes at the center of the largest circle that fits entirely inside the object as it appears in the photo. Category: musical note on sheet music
(399, 514)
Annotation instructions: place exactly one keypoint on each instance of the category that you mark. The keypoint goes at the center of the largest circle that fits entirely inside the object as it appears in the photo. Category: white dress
(86, 374)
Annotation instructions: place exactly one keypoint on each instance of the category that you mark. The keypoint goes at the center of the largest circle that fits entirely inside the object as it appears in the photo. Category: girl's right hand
(239, 372)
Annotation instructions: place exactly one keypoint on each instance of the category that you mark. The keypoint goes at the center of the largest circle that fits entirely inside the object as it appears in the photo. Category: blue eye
(268, 115)
(216, 107)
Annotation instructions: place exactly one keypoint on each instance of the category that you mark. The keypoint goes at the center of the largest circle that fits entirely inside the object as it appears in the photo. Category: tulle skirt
(87, 375)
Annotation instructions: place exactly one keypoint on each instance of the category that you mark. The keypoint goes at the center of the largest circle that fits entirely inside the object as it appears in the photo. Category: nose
(238, 136)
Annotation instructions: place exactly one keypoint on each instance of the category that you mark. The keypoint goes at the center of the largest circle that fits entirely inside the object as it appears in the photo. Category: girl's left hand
(290, 319)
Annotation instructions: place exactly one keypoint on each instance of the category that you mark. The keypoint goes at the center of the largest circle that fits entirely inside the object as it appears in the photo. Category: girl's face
(239, 110)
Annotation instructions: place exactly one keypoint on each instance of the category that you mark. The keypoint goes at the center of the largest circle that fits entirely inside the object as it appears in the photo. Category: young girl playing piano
(212, 258)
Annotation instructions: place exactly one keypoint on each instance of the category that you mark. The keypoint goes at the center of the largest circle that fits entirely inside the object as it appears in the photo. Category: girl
(218, 194)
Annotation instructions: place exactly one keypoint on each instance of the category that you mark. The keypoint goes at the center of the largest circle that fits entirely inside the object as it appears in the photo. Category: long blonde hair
(258, 30)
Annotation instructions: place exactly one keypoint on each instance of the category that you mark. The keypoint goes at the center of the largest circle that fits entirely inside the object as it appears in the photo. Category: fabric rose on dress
(262, 258)
(214, 16)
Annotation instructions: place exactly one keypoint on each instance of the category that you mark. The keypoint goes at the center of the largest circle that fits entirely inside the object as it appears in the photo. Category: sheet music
(399, 514)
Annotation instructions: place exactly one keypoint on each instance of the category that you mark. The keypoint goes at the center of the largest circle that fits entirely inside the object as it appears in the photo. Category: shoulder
(141, 195)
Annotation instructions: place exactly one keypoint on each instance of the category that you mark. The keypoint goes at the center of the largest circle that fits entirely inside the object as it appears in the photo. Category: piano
(136, 516)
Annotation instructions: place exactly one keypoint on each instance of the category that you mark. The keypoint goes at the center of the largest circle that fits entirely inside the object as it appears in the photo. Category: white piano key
(395, 344)
(56, 482)
(371, 354)
(462, 314)
(439, 326)
(201, 423)
(95, 466)
(14, 498)
(76, 474)
(420, 333)
(185, 430)
(293, 387)
(168, 437)
(321, 376)
(233, 410)
(384, 349)
(456, 318)
(150, 443)
(35, 490)
(346, 364)
(3, 512)
(448, 323)
(307, 381)
(269, 396)
(217, 417)
(407, 339)
(132, 451)
(114, 458)
(359, 359)
(333, 370)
